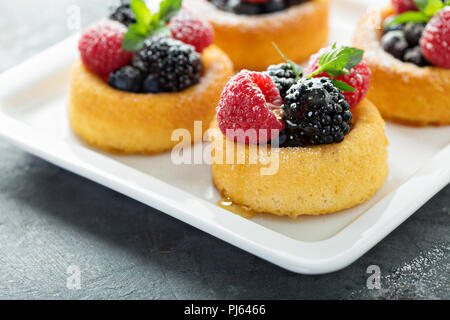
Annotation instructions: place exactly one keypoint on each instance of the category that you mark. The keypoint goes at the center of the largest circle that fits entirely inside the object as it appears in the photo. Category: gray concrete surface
(51, 219)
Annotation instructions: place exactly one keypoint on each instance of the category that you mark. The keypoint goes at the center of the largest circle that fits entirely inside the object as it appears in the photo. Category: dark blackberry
(127, 78)
(394, 42)
(283, 76)
(414, 55)
(413, 32)
(316, 113)
(123, 14)
(176, 64)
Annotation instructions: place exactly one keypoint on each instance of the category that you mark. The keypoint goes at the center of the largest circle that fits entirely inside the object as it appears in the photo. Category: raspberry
(248, 102)
(401, 6)
(190, 29)
(435, 40)
(358, 78)
(101, 48)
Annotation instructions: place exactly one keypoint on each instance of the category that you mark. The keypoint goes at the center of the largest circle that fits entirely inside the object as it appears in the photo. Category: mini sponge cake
(299, 31)
(124, 122)
(403, 92)
(311, 180)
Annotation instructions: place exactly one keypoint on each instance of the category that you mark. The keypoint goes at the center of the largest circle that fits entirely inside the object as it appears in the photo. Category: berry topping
(123, 14)
(175, 64)
(254, 7)
(413, 32)
(190, 29)
(127, 78)
(401, 6)
(357, 77)
(315, 113)
(247, 108)
(435, 40)
(414, 55)
(395, 43)
(283, 76)
(101, 48)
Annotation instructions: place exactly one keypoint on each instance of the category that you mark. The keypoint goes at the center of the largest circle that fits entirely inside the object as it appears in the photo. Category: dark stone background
(51, 218)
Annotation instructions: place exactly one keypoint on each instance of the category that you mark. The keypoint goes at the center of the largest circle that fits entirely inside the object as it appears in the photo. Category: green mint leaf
(142, 12)
(429, 7)
(147, 24)
(133, 40)
(161, 30)
(410, 16)
(355, 57)
(433, 7)
(168, 9)
(342, 86)
(338, 61)
(421, 4)
(295, 67)
(447, 3)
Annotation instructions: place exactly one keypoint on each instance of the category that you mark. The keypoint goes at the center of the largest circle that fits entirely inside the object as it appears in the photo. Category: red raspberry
(358, 78)
(101, 48)
(435, 41)
(401, 6)
(248, 102)
(190, 29)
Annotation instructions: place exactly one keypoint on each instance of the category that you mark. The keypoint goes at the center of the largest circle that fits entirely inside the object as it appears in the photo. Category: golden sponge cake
(124, 122)
(309, 180)
(299, 31)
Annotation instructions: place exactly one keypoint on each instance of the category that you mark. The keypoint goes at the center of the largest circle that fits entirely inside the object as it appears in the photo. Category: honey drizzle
(240, 210)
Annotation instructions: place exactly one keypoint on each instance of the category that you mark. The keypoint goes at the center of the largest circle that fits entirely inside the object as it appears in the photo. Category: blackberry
(315, 112)
(123, 14)
(126, 78)
(176, 65)
(283, 76)
(414, 55)
(413, 32)
(394, 42)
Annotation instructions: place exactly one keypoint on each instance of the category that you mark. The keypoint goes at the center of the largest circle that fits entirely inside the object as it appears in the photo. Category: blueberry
(151, 84)
(414, 55)
(127, 78)
(241, 7)
(273, 6)
(413, 32)
(394, 42)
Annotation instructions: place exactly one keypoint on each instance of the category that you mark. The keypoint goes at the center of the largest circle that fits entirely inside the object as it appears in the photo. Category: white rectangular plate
(33, 117)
